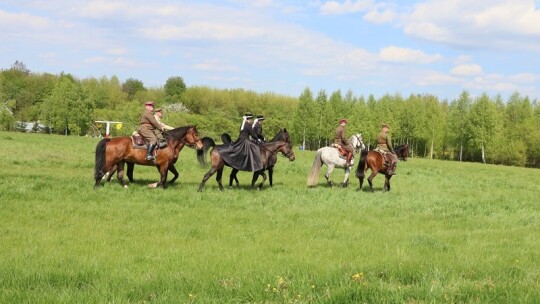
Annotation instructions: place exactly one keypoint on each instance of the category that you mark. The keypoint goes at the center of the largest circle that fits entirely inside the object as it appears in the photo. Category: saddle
(384, 154)
(138, 142)
(342, 152)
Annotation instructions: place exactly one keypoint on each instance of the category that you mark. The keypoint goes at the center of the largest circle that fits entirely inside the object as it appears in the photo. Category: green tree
(66, 110)
(174, 89)
(482, 123)
(304, 126)
(320, 118)
(132, 86)
(458, 121)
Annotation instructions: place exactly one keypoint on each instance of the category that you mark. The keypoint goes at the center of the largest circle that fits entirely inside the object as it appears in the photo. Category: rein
(275, 152)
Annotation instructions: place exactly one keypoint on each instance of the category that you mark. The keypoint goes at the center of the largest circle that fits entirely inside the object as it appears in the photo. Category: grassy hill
(447, 232)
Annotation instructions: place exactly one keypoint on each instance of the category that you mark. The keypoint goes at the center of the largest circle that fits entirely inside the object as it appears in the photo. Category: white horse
(331, 158)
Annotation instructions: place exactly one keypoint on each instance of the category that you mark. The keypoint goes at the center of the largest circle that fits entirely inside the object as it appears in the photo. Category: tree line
(484, 128)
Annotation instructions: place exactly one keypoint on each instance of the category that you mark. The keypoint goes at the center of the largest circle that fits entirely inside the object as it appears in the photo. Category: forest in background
(483, 128)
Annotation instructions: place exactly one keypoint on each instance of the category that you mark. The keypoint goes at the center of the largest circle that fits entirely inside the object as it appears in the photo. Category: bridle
(188, 144)
(360, 142)
(288, 155)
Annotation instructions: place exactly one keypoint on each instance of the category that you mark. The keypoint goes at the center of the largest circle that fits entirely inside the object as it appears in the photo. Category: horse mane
(177, 133)
(281, 136)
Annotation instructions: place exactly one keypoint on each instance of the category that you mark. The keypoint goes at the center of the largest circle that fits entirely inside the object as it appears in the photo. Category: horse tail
(226, 138)
(313, 178)
(361, 169)
(201, 154)
(100, 158)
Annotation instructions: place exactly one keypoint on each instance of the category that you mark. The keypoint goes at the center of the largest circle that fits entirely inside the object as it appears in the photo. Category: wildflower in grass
(358, 277)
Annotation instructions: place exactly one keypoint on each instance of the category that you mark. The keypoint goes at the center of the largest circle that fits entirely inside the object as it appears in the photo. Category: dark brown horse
(226, 138)
(402, 152)
(117, 151)
(374, 161)
(268, 150)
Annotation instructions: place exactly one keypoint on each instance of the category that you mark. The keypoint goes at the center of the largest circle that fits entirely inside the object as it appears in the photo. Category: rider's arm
(389, 144)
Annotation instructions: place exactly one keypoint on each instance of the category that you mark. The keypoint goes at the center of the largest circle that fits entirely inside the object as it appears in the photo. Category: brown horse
(374, 161)
(119, 150)
(268, 150)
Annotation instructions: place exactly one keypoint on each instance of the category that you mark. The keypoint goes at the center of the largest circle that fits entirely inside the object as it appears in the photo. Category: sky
(438, 47)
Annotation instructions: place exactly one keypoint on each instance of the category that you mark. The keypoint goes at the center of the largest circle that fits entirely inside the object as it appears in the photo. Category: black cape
(243, 154)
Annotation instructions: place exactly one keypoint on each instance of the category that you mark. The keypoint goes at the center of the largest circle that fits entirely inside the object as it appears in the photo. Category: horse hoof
(125, 186)
(152, 186)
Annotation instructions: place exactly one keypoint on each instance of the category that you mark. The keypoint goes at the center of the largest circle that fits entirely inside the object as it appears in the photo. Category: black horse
(272, 160)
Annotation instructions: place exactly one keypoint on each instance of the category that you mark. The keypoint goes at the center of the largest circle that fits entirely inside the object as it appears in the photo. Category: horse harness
(288, 155)
(384, 155)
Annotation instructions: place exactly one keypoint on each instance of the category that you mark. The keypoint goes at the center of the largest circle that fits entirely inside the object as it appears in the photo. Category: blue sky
(369, 47)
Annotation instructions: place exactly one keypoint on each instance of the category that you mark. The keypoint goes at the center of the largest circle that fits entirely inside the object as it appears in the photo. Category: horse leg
(218, 178)
(254, 179)
(206, 177)
(270, 174)
(387, 182)
(345, 182)
(173, 170)
(370, 179)
(120, 174)
(329, 169)
(163, 171)
(130, 167)
(110, 173)
(232, 177)
(264, 179)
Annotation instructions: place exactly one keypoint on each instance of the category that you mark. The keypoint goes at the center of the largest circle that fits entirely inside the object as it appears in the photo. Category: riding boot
(349, 159)
(149, 151)
(392, 169)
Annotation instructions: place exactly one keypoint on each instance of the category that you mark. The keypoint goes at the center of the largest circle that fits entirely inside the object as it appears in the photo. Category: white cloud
(100, 9)
(480, 24)
(204, 30)
(215, 65)
(21, 21)
(380, 17)
(117, 51)
(406, 55)
(467, 70)
(115, 61)
(430, 78)
(347, 7)
(524, 78)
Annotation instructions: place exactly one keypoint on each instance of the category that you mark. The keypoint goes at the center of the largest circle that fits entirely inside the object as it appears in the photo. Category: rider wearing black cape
(243, 154)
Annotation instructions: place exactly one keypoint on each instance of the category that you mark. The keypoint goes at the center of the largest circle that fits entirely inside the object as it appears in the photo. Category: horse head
(286, 149)
(403, 152)
(357, 142)
(191, 138)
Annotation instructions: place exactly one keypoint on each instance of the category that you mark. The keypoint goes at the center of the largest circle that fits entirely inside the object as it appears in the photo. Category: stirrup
(150, 157)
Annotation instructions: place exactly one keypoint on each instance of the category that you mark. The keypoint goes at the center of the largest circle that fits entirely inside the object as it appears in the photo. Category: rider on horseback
(243, 154)
(384, 143)
(158, 113)
(257, 127)
(147, 127)
(342, 141)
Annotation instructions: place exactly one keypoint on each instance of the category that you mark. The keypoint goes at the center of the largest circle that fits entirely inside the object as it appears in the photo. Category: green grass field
(448, 232)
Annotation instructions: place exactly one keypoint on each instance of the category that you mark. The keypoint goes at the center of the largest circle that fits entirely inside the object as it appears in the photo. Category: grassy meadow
(448, 232)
